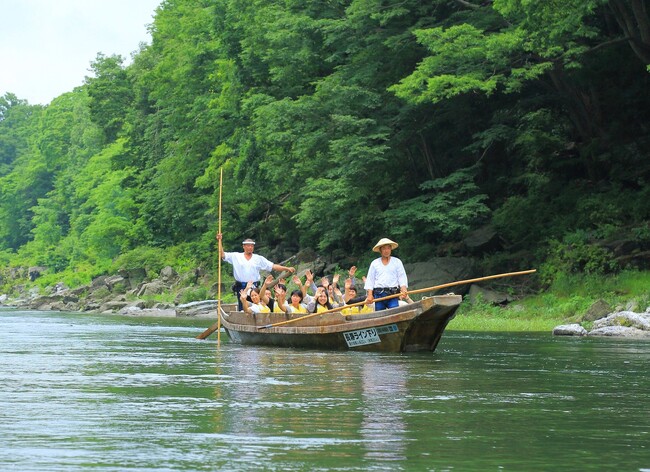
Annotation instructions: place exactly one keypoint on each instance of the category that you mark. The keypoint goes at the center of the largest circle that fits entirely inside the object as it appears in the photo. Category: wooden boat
(414, 327)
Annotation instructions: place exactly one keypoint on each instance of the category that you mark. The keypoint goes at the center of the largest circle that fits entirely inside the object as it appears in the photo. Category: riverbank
(579, 299)
(570, 299)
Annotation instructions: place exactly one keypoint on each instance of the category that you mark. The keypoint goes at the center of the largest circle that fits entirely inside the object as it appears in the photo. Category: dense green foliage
(336, 123)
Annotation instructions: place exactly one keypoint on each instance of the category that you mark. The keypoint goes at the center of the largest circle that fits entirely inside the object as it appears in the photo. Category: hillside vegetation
(336, 123)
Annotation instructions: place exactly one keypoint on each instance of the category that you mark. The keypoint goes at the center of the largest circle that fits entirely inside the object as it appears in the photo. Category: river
(108, 393)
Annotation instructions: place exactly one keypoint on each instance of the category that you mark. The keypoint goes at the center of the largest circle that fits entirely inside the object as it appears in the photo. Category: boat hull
(415, 327)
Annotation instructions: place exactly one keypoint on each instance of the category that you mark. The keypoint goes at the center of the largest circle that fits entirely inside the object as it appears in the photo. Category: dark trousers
(385, 292)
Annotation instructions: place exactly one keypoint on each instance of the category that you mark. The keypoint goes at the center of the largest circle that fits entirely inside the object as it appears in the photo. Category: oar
(420, 290)
(217, 326)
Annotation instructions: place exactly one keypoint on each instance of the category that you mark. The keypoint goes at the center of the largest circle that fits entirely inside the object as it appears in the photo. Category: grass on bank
(566, 301)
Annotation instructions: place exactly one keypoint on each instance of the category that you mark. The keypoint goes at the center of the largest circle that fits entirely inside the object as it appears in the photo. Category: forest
(335, 123)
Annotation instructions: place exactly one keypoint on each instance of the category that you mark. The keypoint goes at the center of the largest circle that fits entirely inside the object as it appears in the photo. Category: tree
(111, 94)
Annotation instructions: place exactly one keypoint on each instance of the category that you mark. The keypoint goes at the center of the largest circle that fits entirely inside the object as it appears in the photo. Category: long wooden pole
(217, 326)
(420, 290)
(219, 265)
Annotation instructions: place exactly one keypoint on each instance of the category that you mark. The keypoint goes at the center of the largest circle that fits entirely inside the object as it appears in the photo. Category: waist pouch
(384, 292)
(237, 286)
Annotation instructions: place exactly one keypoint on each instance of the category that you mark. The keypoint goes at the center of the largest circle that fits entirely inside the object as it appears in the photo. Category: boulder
(155, 287)
(35, 272)
(573, 329)
(484, 239)
(116, 283)
(476, 292)
(201, 308)
(598, 310)
(99, 282)
(441, 270)
(628, 319)
(168, 275)
(112, 306)
(135, 276)
(620, 331)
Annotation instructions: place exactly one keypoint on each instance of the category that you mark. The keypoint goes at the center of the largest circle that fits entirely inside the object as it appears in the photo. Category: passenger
(265, 291)
(256, 304)
(280, 298)
(309, 282)
(335, 295)
(386, 276)
(267, 294)
(351, 272)
(246, 266)
(321, 301)
(307, 300)
(352, 298)
(296, 305)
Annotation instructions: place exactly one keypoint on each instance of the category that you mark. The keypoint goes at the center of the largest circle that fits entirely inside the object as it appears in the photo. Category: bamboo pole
(420, 290)
(217, 326)
(219, 265)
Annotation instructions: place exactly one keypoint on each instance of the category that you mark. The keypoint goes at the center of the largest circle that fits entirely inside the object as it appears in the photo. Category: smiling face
(255, 296)
(322, 297)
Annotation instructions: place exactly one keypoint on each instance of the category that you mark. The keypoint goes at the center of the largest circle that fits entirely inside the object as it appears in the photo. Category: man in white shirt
(246, 266)
(386, 276)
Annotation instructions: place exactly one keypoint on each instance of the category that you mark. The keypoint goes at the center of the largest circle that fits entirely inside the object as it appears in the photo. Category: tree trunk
(632, 17)
(585, 113)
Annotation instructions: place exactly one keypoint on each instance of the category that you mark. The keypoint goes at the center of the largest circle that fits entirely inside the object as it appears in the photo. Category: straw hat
(383, 242)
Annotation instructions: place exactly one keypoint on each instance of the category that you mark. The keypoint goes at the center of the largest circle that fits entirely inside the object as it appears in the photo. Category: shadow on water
(113, 393)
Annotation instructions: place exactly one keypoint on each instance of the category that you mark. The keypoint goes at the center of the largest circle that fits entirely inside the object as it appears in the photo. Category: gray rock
(483, 239)
(203, 309)
(625, 319)
(155, 287)
(116, 283)
(112, 306)
(620, 331)
(573, 329)
(200, 308)
(476, 292)
(168, 275)
(99, 282)
(439, 271)
(35, 272)
(598, 310)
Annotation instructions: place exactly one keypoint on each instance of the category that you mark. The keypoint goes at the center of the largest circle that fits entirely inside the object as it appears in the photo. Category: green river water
(107, 393)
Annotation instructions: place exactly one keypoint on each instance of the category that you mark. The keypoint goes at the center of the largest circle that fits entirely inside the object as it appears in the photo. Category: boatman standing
(386, 276)
(246, 266)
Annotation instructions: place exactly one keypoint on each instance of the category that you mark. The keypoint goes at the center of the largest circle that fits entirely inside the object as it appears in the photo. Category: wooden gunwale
(337, 322)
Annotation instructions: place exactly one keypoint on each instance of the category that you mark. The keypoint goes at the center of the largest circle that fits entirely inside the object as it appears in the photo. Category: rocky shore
(132, 293)
(628, 324)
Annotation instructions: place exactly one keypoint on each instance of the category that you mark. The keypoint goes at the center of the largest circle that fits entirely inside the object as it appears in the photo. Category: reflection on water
(384, 397)
(81, 392)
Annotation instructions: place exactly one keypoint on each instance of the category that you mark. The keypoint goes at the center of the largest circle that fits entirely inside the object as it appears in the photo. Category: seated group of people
(307, 297)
